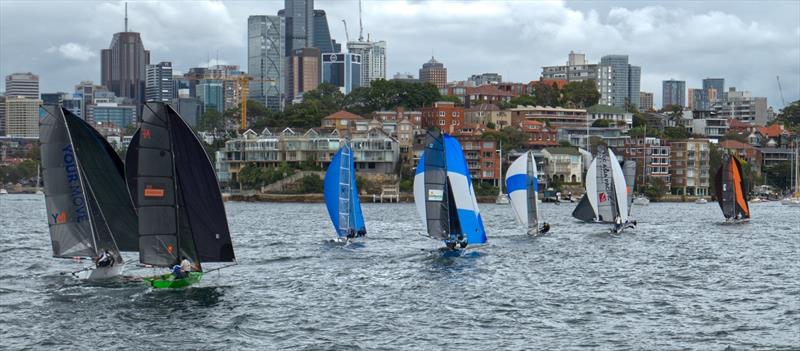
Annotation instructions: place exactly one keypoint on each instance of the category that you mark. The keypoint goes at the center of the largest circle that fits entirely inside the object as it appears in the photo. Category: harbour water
(681, 280)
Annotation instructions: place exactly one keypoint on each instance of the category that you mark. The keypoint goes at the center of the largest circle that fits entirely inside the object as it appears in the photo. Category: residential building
(711, 126)
(22, 84)
(2, 115)
(158, 83)
(538, 134)
(444, 115)
(618, 81)
(298, 17)
(124, 66)
(718, 86)
(434, 72)
(698, 100)
(690, 167)
(645, 101)
(618, 117)
(743, 106)
(373, 59)
(265, 60)
(342, 70)
(483, 160)
(564, 164)
(211, 93)
(470, 95)
(486, 114)
(515, 89)
(577, 69)
(613, 137)
(744, 151)
(673, 93)
(399, 114)
(557, 117)
(341, 120)
(652, 157)
(22, 117)
(302, 71)
(772, 156)
(486, 78)
(189, 108)
(112, 114)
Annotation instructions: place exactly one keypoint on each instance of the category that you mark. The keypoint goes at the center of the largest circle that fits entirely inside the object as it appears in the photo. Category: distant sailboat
(341, 196)
(522, 185)
(180, 207)
(606, 198)
(444, 195)
(89, 208)
(731, 190)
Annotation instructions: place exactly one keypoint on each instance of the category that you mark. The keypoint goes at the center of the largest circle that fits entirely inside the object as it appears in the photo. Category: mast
(500, 180)
(345, 205)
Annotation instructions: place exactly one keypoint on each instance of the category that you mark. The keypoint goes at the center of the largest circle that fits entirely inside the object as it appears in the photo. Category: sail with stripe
(731, 189)
(522, 186)
(443, 192)
(341, 194)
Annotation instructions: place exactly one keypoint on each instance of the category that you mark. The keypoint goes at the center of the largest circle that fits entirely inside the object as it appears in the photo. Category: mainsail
(86, 197)
(629, 170)
(180, 207)
(341, 193)
(443, 191)
(522, 185)
(730, 189)
(606, 192)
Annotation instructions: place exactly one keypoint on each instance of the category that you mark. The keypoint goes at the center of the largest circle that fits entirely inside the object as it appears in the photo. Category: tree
(311, 184)
(791, 116)
(249, 176)
(523, 100)
(602, 123)
(546, 95)
(639, 120)
(676, 133)
(581, 94)
(638, 132)
(565, 143)
(210, 120)
(655, 189)
(512, 138)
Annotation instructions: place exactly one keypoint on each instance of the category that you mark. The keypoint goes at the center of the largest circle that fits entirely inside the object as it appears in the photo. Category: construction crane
(346, 35)
(360, 24)
(780, 90)
(244, 83)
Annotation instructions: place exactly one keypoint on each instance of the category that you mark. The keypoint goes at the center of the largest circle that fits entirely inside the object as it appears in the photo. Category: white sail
(522, 184)
(620, 187)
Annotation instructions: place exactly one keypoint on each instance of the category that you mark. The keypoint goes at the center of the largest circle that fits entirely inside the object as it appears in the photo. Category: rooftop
(564, 150)
(605, 109)
(343, 115)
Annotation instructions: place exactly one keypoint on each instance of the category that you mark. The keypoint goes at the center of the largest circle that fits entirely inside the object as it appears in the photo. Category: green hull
(168, 281)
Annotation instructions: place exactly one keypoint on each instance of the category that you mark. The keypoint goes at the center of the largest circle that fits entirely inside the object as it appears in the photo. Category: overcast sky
(747, 43)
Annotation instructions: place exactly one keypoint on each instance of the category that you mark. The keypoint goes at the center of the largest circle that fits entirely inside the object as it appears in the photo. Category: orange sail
(737, 187)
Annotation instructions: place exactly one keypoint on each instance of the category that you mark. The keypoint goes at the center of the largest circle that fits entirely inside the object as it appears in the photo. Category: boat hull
(101, 273)
(168, 281)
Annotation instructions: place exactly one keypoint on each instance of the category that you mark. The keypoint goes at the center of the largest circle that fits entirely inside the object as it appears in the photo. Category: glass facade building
(211, 93)
(265, 60)
(342, 70)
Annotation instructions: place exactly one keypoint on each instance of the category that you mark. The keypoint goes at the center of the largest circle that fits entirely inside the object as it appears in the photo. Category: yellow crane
(244, 81)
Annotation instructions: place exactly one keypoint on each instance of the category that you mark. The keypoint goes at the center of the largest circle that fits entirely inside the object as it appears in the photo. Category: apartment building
(690, 167)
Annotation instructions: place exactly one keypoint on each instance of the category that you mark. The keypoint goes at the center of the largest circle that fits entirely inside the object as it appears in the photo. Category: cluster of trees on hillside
(574, 94)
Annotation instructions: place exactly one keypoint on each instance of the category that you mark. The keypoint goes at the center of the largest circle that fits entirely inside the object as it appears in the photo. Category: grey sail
(437, 195)
(584, 210)
(629, 170)
(68, 215)
(531, 185)
(607, 196)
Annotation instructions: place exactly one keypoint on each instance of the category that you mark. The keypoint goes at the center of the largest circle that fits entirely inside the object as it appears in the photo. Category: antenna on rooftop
(126, 16)
(360, 25)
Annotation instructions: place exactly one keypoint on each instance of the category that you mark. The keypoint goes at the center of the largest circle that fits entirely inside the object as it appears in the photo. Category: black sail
(132, 167)
(584, 210)
(437, 192)
(103, 171)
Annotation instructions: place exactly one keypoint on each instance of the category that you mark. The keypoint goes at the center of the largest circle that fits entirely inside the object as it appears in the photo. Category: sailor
(178, 272)
(105, 259)
(351, 233)
(361, 232)
(617, 224)
(545, 228)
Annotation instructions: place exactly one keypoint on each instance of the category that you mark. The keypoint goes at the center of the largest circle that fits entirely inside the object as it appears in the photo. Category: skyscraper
(265, 60)
(124, 66)
(718, 84)
(299, 22)
(302, 72)
(22, 117)
(342, 70)
(673, 93)
(212, 94)
(618, 81)
(2, 114)
(22, 84)
(322, 34)
(577, 69)
(159, 86)
(373, 59)
(434, 72)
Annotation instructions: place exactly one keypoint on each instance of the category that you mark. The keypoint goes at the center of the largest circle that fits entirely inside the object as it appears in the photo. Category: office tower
(718, 84)
(302, 71)
(342, 70)
(211, 93)
(265, 60)
(373, 59)
(673, 93)
(124, 66)
(617, 81)
(645, 101)
(22, 117)
(158, 85)
(299, 21)
(434, 72)
(22, 84)
(322, 34)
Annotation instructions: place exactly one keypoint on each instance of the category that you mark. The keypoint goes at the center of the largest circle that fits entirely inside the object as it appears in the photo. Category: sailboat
(606, 197)
(181, 214)
(502, 199)
(88, 205)
(444, 195)
(341, 196)
(523, 185)
(731, 190)
(629, 171)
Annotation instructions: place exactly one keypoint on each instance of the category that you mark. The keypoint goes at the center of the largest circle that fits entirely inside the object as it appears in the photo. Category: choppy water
(679, 281)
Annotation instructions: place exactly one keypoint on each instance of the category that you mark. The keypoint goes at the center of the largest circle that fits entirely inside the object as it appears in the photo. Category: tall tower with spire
(124, 65)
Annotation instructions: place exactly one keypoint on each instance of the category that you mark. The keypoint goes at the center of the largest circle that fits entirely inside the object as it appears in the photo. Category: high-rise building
(718, 84)
(373, 59)
(322, 34)
(190, 109)
(485, 78)
(302, 71)
(265, 60)
(673, 93)
(434, 72)
(212, 94)
(342, 70)
(698, 99)
(124, 66)
(54, 98)
(2, 114)
(112, 115)
(743, 106)
(576, 69)
(645, 101)
(22, 84)
(618, 81)
(299, 21)
(22, 117)
(159, 86)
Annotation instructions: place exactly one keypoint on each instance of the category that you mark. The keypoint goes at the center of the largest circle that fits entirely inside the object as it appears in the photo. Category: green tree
(676, 133)
(249, 176)
(546, 95)
(655, 188)
(523, 100)
(491, 125)
(602, 123)
(311, 184)
(453, 99)
(581, 94)
(565, 143)
(790, 115)
(639, 120)
(211, 120)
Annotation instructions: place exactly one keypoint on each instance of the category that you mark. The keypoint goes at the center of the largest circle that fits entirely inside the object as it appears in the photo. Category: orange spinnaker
(737, 187)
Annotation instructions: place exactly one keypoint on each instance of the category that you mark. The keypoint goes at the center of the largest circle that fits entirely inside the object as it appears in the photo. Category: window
(442, 114)
(442, 122)
(454, 114)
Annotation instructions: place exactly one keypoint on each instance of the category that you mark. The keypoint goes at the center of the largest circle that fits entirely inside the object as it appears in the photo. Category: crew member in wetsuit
(361, 232)
(545, 228)
(105, 260)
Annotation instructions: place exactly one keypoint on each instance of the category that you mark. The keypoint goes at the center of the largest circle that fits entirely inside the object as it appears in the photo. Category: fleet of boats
(164, 201)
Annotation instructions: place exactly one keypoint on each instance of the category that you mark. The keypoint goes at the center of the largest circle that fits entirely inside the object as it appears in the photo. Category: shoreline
(404, 198)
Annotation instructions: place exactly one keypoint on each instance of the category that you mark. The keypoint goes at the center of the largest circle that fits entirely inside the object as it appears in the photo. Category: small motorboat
(701, 201)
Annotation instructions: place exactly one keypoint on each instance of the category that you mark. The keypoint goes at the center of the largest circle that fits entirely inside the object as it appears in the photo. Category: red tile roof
(343, 115)
(734, 144)
(772, 131)
(486, 89)
(560, 83)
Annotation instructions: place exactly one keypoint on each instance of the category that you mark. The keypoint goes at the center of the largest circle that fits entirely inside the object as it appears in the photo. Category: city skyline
(685, 41)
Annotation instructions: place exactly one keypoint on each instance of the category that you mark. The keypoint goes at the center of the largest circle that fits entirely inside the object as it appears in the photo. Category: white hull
(501, 199)
(641, 201)
(701, 201)
(3, 192)
(101, 273)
